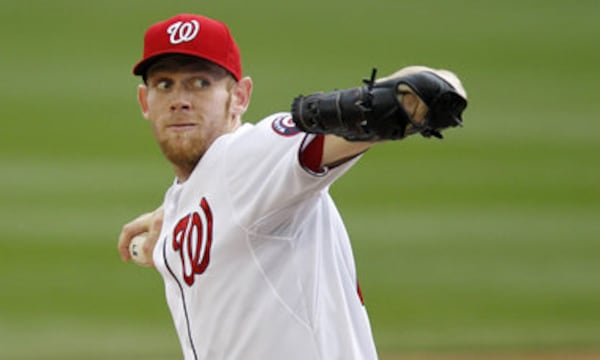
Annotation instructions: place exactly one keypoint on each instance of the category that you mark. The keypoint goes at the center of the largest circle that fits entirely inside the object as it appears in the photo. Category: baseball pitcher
(254, 255)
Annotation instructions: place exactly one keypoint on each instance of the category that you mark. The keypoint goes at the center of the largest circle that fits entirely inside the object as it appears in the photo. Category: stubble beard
(182, 151)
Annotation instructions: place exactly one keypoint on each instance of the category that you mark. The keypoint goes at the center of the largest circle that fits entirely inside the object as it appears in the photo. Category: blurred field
(485, 243)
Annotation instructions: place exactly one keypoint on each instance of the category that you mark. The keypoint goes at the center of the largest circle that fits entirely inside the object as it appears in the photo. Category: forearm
(337, 149)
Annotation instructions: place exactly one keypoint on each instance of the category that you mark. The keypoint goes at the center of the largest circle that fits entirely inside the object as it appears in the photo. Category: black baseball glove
(378, 110)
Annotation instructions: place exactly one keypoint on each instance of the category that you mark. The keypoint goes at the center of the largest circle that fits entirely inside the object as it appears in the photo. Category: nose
(180, 101)
(180, 106)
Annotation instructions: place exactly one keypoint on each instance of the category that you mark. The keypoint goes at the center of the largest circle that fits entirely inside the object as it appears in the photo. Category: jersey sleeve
(267, 170)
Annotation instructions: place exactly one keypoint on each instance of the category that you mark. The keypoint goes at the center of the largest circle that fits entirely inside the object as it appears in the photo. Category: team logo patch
(285, 126)
(183, 31)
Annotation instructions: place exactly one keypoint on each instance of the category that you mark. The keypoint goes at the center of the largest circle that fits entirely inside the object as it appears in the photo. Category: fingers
(139, 225)
(156, 222)
(413, 105)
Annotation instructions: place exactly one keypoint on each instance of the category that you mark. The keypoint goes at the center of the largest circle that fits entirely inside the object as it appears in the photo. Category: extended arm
(413, 100)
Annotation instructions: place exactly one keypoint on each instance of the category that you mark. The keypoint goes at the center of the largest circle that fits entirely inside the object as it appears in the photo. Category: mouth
(181, 126)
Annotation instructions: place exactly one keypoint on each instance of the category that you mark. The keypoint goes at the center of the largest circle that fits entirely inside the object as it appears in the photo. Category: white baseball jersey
(255, 258)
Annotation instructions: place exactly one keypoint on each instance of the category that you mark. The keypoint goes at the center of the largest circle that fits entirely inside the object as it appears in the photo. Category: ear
(241, 93)
(143, 99)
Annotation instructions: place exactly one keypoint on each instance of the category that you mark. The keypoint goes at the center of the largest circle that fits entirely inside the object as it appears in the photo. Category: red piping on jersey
(360, 294)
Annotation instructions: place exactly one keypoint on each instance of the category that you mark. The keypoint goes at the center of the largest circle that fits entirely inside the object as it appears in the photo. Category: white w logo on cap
(183, 31)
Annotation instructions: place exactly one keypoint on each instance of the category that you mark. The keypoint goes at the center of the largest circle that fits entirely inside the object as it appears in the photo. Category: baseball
(136, 250)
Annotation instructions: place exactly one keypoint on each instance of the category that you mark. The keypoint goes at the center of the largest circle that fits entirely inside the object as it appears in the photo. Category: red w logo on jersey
(192, 238)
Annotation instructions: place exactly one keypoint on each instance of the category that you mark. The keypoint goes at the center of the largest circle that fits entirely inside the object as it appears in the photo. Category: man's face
(188, 105)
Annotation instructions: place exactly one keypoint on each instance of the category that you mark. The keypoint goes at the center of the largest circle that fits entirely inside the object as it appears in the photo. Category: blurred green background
(485, 242)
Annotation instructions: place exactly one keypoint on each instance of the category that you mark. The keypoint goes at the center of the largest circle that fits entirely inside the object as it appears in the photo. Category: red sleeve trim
(312, 155)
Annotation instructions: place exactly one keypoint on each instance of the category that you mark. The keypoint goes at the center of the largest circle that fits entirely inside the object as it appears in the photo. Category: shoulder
(277, 124)
(278, 128)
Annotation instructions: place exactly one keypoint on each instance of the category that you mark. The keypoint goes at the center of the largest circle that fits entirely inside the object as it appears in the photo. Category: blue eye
(200, 83)
(163, 84)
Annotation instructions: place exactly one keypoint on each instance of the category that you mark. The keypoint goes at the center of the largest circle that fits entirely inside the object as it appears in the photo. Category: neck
(183, 172)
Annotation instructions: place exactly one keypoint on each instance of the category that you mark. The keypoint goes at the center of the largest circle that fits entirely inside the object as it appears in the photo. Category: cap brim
(140, 68)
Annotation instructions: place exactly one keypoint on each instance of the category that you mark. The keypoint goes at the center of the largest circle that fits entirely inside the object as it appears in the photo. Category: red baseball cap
(193, 35)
